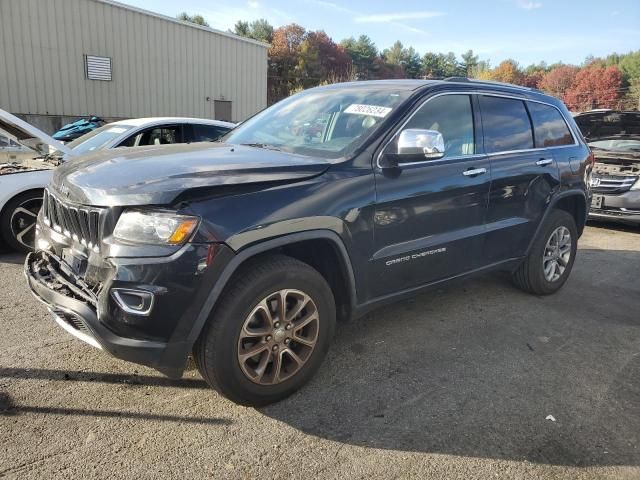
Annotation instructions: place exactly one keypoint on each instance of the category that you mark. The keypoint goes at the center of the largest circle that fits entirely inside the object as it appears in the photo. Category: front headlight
(156, 228)
(636, 186)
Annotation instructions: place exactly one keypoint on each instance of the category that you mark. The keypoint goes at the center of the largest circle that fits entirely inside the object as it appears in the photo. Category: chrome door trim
(492, 154)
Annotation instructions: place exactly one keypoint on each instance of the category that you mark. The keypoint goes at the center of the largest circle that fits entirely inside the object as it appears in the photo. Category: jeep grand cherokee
(323, 206)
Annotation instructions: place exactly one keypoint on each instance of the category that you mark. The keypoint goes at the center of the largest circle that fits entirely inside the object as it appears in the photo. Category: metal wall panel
(159, 66)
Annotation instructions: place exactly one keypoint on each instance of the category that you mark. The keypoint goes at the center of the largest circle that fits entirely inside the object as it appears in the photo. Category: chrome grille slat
(613, 184)
(79, 223)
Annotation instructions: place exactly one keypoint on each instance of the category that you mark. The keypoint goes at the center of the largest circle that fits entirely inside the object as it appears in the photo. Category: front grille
(610, 184)
(82, 224)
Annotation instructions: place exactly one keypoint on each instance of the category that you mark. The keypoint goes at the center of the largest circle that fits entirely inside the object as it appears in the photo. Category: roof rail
(487, 82)
(456, 79)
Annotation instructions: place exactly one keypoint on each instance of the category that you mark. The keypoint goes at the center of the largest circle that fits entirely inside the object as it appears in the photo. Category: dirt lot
(454, 384)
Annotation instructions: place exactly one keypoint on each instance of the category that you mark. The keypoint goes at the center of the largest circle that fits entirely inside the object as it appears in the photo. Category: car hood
(156, 175)
(604, 125)
(29, 136)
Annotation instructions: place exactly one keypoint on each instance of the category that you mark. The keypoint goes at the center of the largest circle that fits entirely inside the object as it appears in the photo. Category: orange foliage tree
(595, 86)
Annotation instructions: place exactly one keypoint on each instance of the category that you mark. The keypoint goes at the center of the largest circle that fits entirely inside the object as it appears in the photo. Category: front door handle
(544, 161)
(472, 172)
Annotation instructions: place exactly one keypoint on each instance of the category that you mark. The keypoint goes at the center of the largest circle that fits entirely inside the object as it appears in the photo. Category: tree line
(300, 59)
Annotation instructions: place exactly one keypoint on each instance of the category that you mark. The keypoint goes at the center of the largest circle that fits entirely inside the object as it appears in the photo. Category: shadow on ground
(475, 369)
(471, 369)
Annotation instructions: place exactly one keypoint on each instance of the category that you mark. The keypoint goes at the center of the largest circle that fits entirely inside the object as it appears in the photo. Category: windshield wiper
(262, 145)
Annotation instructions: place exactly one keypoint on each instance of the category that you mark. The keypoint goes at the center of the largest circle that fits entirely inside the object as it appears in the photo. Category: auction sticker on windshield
(369, 110)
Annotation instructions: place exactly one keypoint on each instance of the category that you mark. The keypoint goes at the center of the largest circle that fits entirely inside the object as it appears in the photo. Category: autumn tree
(532, 79)
(595, 86)
(507, 71)
(558, 80)
(321, 60)
(197, 19)
(283, 59)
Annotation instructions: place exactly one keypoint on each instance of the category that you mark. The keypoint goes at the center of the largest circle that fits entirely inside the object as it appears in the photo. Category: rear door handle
(474, 171)
(544, 161)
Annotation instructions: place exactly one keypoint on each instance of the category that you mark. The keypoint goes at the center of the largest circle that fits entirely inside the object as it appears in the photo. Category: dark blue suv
(322, 207)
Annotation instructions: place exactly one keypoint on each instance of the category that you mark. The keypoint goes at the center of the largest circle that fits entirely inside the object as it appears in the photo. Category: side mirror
(414, 145)
(427, 144)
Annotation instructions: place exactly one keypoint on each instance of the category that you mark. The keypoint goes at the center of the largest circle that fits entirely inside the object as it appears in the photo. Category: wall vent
(98, 68)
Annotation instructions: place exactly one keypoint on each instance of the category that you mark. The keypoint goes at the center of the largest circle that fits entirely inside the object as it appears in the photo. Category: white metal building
(64, 59)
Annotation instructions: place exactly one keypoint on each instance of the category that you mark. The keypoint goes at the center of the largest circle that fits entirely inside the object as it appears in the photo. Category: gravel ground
(456, 383)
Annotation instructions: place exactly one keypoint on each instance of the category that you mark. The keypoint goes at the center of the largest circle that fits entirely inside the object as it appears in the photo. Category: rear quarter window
(549, 127)
(506, 124)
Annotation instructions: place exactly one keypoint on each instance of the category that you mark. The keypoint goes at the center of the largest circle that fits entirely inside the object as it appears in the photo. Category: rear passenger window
(207, 133)
(452, 116)
(506, 124)
(550, 128)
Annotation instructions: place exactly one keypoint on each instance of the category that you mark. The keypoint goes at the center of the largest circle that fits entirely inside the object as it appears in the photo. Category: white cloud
(391, 19)
(332, 6)
(529, 4)
(394, 17)
(253, 4)
(615, 13)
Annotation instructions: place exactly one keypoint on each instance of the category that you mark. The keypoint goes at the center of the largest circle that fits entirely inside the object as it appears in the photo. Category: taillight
(591, 158)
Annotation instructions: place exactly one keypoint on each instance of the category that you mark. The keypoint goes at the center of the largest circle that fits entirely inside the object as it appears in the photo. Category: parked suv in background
(614, 138)
(323, 206)
(23, 178)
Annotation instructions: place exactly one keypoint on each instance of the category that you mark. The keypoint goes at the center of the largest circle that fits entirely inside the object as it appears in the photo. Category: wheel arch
(308, 247)
(573, 202)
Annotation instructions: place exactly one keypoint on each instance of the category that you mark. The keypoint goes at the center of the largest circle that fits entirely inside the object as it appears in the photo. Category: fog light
(136, 302)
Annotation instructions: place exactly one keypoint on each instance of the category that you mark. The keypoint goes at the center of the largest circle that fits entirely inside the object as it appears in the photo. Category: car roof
(147, 121)
(415, 85)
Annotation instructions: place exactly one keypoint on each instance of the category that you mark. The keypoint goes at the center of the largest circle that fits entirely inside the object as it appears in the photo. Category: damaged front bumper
(74, 307)
(143, 310)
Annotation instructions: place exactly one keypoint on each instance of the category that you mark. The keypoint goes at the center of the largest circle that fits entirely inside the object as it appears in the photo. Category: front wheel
(18, 220)
(269, 333)
(549, 263)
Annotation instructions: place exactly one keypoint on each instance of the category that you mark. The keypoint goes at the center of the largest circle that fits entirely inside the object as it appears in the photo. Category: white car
(23, 179)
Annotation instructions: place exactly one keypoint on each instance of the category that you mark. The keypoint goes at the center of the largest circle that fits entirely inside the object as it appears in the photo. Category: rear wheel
(18, 220)
(269, 333)
(549, 263)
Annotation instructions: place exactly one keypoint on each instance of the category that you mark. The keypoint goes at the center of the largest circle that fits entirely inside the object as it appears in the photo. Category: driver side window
(452, 116)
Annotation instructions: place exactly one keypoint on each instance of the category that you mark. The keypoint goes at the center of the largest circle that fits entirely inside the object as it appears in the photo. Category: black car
(322, 207)
(614, 138)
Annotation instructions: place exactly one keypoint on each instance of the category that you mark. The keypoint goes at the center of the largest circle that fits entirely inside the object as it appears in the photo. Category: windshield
(98, 138)
(617, 145)
(327, 123)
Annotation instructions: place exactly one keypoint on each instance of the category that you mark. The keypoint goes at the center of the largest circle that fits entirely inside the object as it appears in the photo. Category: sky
(528, 31)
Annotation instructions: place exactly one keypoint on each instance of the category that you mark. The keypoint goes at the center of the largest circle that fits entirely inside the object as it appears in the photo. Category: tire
(249, 304)
(530, 276)
(18, 221)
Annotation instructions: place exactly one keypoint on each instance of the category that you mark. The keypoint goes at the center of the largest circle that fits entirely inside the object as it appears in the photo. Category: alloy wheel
(278, 337)
(23, 221)
(557, 253)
